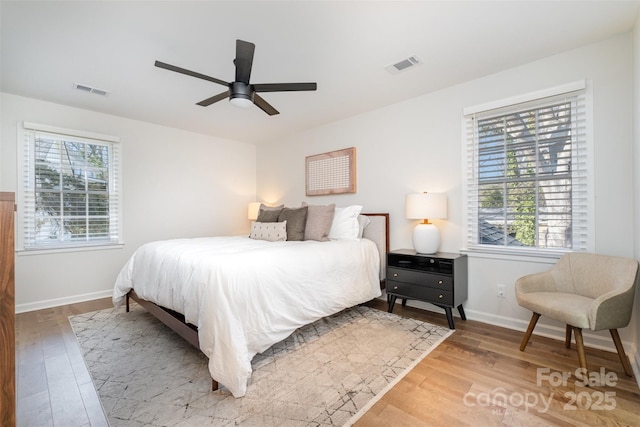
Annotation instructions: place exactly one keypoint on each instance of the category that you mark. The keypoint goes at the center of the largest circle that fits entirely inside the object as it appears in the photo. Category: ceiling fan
(240, 92)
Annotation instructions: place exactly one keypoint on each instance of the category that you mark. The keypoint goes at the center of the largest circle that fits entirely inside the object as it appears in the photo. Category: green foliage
(524, 195)
(492, 198)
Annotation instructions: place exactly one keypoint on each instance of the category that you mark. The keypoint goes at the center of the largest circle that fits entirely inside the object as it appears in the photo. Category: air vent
(90, 89)
(404, 65)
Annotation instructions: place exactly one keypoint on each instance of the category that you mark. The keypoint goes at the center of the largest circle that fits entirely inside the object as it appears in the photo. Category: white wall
(416, 146)
(175, 184)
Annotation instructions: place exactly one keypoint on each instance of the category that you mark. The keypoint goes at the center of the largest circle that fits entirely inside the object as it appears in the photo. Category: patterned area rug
(325, 374)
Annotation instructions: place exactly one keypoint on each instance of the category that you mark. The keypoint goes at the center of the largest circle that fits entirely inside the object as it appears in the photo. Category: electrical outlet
(500, 291)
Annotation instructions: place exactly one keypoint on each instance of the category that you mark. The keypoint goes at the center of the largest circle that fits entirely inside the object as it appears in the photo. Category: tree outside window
(72, 190)
(524, 178)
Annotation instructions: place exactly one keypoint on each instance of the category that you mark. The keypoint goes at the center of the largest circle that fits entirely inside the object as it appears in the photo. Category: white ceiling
(344, 46)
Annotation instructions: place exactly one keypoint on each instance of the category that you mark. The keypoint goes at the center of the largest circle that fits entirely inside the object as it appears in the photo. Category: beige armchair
(582, 290)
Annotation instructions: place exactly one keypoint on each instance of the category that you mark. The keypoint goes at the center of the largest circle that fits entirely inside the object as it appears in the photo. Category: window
(70, 189)
(528, 175)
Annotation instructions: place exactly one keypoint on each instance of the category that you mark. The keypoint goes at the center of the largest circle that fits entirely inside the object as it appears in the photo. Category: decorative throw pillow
(269, 213)
(345, 223)
(296, 221)
(270, 231)
(319, 219)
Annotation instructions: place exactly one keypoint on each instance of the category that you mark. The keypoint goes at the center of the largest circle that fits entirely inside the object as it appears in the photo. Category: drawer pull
(439, 282)
(440, 296)
(395, 274)
(395, 288)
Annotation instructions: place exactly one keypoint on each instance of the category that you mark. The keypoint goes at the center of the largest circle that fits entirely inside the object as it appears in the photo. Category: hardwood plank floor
(477, 377)
(53, 385)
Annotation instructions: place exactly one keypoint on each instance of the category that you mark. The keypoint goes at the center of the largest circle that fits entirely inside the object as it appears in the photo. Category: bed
(233, 297)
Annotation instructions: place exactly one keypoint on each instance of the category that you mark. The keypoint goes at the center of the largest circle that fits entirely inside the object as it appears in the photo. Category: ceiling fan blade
(244, 60)
(284, 87)
(189, 73)
(264, 105)
(216, 98)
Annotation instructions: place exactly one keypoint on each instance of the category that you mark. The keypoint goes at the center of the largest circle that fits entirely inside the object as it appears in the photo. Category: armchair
(582, 290)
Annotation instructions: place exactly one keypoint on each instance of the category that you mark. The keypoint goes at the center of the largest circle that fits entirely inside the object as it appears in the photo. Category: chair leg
(527, 335)
(567, 337)
(582, 358)
(623, 357)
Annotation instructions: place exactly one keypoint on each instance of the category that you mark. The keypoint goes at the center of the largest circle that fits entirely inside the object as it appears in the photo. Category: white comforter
(246, 295)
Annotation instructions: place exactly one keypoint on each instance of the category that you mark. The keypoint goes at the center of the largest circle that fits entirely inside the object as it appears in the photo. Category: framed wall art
(331, 173)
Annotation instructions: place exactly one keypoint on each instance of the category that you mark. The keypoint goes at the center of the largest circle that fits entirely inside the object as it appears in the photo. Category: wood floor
(53, 385)
(477, 377)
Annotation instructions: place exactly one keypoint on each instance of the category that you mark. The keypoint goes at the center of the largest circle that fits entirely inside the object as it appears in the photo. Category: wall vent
(90, 89)
(403, 65)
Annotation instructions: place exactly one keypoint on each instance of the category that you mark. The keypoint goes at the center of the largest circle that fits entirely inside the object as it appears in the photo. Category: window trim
(24, 195)
(528, 97)
(469, 169)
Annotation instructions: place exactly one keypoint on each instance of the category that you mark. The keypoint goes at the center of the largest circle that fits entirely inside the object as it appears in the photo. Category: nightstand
(439, 279)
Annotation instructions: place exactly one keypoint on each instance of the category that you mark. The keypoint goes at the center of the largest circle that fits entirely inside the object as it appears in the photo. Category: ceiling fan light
(240, 101)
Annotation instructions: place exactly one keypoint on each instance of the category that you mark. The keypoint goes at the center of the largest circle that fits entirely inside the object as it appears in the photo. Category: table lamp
(426, 236)
(252, 211)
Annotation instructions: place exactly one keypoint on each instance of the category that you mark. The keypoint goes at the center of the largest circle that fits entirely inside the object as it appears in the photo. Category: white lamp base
(426, 238)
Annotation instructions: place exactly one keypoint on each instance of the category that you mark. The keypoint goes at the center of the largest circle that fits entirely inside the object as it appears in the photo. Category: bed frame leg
(127, 302)
(214, 385)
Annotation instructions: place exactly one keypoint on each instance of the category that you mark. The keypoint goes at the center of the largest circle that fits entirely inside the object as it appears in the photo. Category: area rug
(325, 374)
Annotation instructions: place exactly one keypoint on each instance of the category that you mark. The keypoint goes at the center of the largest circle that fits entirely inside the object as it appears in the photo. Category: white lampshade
(253, 210)
(426, 236)
(425, 206)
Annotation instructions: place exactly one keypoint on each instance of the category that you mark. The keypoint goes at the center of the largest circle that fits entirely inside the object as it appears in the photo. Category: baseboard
(39, 305)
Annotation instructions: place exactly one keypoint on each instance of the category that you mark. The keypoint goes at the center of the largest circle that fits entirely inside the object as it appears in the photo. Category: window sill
(533, 255)
(84, 248)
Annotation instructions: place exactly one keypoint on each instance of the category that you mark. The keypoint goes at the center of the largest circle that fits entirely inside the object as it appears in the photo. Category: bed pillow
(270, 231)
(296, 219)
(345, 223)
(269, 213)
(363, 221)
(319, 219)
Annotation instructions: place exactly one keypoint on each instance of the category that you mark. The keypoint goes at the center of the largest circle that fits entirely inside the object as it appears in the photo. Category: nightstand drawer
(424, 293)
(419, 278)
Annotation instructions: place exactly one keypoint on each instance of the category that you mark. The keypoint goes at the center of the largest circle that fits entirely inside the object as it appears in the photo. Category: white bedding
(246, 295)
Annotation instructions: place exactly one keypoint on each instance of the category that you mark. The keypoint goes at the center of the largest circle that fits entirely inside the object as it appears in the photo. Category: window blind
(70, 188)
(527, 175)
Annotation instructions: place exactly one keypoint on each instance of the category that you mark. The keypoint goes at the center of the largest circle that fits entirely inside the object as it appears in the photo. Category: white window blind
(527, 181)
(70, 189)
